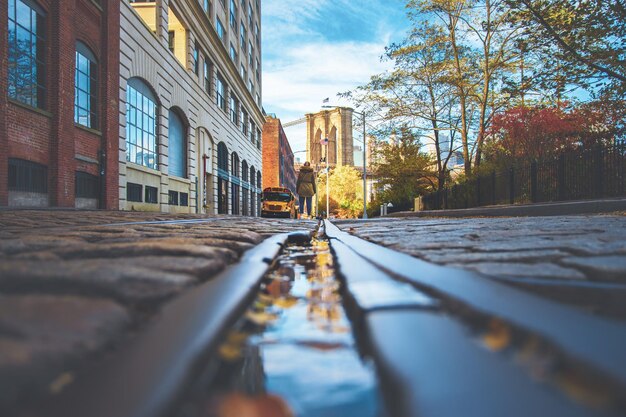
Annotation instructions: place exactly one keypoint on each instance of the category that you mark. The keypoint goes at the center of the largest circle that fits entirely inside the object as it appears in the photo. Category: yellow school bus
(278, 202)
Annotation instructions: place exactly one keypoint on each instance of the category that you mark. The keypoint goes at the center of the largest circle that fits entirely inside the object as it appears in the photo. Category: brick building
(190, 106)
(131, 104)
(278, 161)
(59, 83)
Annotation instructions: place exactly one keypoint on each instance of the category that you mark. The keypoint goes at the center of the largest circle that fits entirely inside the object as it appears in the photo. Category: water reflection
(293, 353)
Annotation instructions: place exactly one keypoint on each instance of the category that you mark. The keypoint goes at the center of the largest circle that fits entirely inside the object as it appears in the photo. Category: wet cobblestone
(74, 284)
(575, 259)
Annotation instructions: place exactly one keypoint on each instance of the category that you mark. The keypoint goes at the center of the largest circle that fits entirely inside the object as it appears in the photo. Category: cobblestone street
(76, 285)
(576, 259)
(73, 284)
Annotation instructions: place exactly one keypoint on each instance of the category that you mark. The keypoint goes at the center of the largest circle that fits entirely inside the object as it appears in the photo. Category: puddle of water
(293, 353)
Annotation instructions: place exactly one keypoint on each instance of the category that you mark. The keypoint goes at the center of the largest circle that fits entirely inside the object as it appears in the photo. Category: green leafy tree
(447, 76)
(402, 171)
(582, 42)
(416, 94)
(346, 192)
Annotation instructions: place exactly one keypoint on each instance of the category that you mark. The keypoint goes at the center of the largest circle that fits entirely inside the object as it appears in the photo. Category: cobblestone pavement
(575, 259)
(74, 284)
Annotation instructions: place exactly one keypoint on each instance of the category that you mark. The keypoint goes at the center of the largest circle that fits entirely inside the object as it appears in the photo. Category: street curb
(526, 210)
(147, 377)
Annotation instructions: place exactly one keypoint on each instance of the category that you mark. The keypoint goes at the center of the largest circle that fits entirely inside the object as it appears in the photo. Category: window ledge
(87, 159)
(142, 168)
(180, 179)
(29, 107)
(88, 129)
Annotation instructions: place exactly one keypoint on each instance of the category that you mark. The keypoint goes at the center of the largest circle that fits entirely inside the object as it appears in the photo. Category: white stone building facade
(190, 106)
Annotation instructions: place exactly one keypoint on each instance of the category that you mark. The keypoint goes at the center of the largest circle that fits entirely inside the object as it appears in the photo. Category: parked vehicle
(278, 202)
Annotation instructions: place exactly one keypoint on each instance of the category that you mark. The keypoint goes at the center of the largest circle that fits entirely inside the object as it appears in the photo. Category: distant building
(59, 114)
(456, 161)
(278, 160)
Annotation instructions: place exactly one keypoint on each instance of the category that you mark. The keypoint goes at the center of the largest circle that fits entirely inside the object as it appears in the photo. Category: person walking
(305, 187)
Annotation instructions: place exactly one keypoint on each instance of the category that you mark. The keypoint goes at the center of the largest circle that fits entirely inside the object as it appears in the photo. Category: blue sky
(313, 49)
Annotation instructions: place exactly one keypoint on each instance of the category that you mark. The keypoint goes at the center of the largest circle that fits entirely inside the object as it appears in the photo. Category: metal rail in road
(449, 342)
(445, 342)
(148, 377)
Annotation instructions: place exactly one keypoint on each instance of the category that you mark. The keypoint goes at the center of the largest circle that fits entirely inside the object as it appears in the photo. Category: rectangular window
(250, 14)
(86, 185)
(26, 52)
(219, 28)
(205, 5)
(252, 130)
(184, 200)
(133, 192)
(152, 195)
(242, 72)
(258, 139)
(244, 122)
(220, 93)
(233, 15)
(233, 53)
(234, 110)
(27, 176)
(207, 76)
(251, 54)
(85, 87)
(171, 35)
(256, 34)
(258, 70)
(173, 198)
(250, 86)
(196, 59)
(242, 36)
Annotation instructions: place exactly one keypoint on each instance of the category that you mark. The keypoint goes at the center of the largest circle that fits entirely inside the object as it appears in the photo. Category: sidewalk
(75, 284)
(561, 208)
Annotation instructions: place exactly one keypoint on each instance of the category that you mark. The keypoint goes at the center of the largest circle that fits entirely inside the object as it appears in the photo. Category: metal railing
(584, 173)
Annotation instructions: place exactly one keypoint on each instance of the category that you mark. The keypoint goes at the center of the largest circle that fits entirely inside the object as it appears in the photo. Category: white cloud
(313, 49)
(309, 73)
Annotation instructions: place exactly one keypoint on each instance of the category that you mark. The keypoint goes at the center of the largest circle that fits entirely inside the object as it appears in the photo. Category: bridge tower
(336, 125)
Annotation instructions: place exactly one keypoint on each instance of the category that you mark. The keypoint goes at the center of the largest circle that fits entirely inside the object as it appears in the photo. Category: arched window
(252, 191)
(235, 183)
(222, 178)
(245, 195)
(141, 124)
(222, 157)
(258, 197)
(27, 51)
(85, 87)
(177, 135)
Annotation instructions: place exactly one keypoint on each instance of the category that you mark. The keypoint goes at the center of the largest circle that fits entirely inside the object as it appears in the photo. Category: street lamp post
(327, 191)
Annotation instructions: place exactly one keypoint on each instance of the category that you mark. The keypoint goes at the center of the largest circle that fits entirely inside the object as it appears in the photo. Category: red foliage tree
(544, 132)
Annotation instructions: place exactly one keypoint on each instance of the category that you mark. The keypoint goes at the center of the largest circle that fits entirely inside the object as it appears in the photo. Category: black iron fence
(597, 172)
